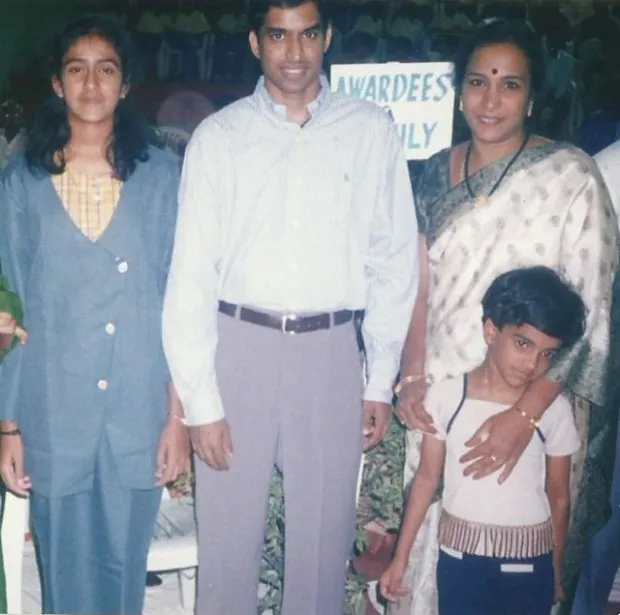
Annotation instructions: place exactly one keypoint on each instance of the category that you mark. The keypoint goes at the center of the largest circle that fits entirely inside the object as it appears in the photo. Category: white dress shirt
(608, 162)
(295, 220)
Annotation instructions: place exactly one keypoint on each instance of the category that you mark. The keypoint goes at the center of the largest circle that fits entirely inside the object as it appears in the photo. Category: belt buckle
(285, 319)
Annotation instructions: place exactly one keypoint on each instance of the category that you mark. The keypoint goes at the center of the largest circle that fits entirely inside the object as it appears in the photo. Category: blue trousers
(474, 585)
(92, 546)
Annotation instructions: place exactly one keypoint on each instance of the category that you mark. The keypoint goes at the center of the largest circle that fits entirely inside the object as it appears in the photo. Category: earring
(461, 105)
(529, 109)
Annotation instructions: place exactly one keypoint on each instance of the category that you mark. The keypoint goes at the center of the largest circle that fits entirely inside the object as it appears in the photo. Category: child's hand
(391, 582)
(8, 326)
(559, 592)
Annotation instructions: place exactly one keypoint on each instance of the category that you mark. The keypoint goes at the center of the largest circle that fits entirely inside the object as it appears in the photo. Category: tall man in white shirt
(295, 217)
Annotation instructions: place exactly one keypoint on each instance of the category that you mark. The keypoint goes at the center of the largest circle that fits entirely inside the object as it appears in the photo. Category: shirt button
(123, 267)
(102, 385)
(110, 329)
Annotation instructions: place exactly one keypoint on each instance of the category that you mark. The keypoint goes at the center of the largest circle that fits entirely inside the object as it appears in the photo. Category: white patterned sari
(551, 209)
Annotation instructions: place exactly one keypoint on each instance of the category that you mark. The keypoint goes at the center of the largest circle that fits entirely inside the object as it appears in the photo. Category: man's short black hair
(536, 296)
(257, 18)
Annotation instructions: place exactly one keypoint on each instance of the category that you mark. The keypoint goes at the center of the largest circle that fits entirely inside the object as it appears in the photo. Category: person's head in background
(498, 74)
(90, 74)
(529, 315)
(290, 38)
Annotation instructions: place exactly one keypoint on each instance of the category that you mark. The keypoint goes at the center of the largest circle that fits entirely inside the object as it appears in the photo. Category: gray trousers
(294, 401)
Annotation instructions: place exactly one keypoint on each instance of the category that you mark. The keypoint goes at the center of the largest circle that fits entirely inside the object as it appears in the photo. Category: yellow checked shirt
(90, 200)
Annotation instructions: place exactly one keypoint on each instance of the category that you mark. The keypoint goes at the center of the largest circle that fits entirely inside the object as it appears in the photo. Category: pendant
(481, 200)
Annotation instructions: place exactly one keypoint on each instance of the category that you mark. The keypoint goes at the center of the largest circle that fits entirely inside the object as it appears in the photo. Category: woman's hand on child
(410, 409)
(497, 445)
(391, 582)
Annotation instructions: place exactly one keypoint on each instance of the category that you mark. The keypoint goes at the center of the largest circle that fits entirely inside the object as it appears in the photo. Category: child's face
(521, 354)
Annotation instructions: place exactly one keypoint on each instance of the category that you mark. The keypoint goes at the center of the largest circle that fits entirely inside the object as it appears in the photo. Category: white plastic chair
(12, 534)
(174, 546)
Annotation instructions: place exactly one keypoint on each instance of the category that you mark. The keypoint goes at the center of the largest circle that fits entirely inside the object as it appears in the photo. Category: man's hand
(497, 445)
(173, 454)
(376, 422)
(212, 443)
(12, 464)
(410, 407)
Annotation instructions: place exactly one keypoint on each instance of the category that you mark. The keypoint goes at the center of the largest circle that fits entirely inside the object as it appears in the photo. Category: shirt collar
(265, 99)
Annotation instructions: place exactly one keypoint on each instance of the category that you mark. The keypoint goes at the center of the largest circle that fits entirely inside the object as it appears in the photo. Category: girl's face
(496, 92)
(91, 80)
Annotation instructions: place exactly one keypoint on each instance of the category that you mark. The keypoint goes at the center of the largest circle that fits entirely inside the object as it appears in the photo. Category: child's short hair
(536, 296)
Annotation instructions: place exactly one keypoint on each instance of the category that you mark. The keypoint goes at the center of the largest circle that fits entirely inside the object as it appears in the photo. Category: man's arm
(392, 271)
(190, 304)
(558, 493)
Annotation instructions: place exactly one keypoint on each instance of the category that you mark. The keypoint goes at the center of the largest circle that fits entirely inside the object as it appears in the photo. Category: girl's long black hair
(50, 131)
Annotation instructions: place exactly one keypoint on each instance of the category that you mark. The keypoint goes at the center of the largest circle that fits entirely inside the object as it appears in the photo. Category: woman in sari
(508, 199)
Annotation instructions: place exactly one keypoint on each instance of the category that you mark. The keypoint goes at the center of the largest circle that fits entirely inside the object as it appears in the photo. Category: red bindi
(494, 71)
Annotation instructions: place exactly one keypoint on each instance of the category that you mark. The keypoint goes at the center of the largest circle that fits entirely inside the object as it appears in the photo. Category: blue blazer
(94, 365)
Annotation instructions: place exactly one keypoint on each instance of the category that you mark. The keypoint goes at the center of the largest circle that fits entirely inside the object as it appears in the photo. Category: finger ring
(493, 458)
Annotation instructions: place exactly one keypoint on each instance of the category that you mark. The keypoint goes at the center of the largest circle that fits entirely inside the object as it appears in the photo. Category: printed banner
(419, 96)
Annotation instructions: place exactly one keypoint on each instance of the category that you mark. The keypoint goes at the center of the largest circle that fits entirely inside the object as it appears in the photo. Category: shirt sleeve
(392, 269)
(561, 437)
(190, 303)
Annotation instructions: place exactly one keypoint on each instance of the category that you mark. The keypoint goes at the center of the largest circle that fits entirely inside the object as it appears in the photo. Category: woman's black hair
(536, 296)
(498, 32)
(50, 131)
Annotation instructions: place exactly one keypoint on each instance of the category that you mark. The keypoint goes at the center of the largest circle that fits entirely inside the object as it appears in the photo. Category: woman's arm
(409, 408)
(558, 493)
(501, 439)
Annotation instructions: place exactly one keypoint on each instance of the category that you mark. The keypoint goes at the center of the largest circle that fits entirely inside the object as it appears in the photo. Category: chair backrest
(12, 534)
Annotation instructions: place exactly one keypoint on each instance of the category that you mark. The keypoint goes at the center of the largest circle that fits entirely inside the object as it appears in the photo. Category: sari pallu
(551, 209)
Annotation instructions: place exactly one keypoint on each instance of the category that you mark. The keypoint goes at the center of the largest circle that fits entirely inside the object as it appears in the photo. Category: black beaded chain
(503, 174)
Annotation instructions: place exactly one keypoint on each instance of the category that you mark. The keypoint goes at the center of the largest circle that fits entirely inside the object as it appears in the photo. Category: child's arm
(423, 488)
(558, 494)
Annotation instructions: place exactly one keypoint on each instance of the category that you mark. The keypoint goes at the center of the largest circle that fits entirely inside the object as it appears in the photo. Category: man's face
(520, 354)
(290, 46)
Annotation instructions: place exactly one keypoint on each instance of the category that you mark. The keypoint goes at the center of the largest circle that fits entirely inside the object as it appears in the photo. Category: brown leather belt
(291, 323)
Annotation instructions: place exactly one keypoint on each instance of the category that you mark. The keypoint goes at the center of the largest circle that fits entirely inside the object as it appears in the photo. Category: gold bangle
(408, 380)
(528, 417)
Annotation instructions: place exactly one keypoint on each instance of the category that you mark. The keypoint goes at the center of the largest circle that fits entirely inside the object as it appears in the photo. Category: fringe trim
(503, 541)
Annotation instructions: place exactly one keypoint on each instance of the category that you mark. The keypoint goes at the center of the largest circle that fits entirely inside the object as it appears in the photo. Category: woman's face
(496, 92)
(91, 80)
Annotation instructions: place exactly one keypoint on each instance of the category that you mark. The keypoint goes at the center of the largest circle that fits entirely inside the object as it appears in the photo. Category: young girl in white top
(501, 545)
